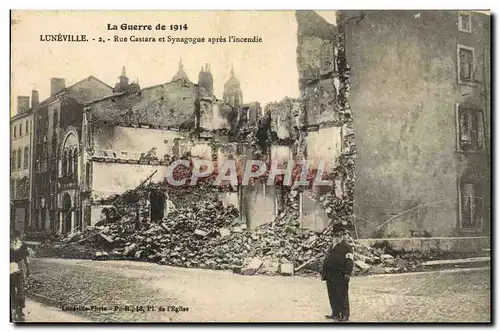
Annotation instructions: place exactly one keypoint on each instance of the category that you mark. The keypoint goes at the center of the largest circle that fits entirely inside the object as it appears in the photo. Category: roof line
(22, 114)
(100, 81)
(116, 94)
(86, 78)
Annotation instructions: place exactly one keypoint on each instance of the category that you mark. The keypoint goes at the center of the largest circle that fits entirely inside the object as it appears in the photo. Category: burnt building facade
(135, 133)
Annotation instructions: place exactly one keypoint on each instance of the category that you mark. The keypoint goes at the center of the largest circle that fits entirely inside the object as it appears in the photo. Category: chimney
(23, 103)
(56, 85)
(34, 98)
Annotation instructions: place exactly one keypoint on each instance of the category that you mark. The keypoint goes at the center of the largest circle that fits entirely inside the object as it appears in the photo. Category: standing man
(337, 270)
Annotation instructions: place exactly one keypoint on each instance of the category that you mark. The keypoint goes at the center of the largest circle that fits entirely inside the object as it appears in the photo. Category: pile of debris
(204, 233)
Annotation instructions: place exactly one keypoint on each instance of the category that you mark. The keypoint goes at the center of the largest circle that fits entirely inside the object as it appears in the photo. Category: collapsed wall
(324, 120)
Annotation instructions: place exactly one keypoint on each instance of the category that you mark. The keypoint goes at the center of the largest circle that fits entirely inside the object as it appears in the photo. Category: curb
(454, 270)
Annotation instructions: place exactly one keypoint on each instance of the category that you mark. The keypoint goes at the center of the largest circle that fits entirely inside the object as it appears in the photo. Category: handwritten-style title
(147, 27)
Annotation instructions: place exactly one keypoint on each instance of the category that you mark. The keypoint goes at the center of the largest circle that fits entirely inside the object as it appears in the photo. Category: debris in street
(252, 267)
(286, 269)
(205, 233)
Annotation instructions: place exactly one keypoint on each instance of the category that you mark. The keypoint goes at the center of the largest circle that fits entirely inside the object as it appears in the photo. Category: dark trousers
(338, 294)
(17, 298)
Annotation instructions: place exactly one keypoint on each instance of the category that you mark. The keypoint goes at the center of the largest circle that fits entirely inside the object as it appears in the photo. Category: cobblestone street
(217, 296)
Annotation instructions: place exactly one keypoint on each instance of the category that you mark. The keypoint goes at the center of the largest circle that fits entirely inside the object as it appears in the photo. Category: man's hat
(340, 227)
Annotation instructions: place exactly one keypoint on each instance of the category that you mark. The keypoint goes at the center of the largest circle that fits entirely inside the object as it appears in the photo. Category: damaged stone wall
(128, 142)
(109, 178)
(170, 105)
(215, 115)
(326, 129)
(258, 204)
(404, 89)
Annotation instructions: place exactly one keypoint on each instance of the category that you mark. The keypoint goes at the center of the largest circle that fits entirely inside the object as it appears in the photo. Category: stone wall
(404, 91)
(110, 178)
(134, 141)
(170, 105)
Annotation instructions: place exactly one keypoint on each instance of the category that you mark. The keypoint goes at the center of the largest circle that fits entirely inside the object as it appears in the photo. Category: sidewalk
(39, 313)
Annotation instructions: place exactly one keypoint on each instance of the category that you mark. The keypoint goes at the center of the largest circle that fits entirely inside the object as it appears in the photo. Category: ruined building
(132, 134)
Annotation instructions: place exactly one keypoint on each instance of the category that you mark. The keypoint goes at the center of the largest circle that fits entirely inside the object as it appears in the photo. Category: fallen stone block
(129, 249)
(362, 265)
(377, 270)
(236, 269)
(385, 257)
(389, 262)
(283, 260)
(138, 254)
(270, 267)
(101, 255)
(373, 260)
(286, 269)
(391, 269)
(201, 232)
(360, 257)
(401, 263)
(224, 232)
(252, 267)
(107, 238)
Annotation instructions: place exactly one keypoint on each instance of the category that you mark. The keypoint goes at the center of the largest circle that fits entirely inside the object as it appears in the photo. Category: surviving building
(56, 153)
(421, 105)
(21, 175)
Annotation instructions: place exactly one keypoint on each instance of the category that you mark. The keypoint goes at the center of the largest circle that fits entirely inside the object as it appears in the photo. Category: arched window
(75, 162)
(15, 132)
(20, 130)
(26, 157)
(19, 157)
(64, 163)
(55, 120)
(14, 159)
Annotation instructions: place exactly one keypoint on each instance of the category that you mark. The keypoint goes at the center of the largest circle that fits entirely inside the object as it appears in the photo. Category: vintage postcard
(250, 166)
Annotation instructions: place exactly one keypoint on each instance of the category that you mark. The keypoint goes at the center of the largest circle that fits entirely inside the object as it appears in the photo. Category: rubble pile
(202, 232)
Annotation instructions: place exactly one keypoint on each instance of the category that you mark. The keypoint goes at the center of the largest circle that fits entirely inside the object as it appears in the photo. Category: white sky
(267, 71)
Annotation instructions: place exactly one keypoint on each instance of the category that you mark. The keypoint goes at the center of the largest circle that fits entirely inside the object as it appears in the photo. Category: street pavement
(145, 292)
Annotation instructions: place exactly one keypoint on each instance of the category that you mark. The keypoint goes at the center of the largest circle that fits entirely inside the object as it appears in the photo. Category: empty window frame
(465, 65)
(470, 129)
(465, 22)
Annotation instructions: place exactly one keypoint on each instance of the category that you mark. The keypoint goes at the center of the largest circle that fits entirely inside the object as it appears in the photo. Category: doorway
(157, 205)
(66, 213)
